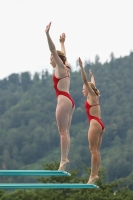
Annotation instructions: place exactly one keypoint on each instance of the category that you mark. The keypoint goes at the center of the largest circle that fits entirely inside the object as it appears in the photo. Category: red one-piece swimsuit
(87, 107)
(58, 92)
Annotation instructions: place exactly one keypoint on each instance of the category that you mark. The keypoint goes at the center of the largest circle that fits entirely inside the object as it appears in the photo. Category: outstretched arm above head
(92, 77)
(62, 41)
(52, 47)
(84, 77)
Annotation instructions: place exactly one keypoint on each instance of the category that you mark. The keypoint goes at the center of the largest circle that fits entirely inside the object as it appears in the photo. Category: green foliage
(28, 130)
(106, 191)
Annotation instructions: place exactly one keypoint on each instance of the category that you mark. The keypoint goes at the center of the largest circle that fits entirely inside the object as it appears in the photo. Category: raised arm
(62, 41)
(92, 77)
(52, 48)
(84, 77)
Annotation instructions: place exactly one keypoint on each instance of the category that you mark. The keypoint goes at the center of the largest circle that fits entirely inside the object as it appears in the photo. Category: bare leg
(64, 163)
(93, 138)
(69, 124)
(63, 113)
(98, 149)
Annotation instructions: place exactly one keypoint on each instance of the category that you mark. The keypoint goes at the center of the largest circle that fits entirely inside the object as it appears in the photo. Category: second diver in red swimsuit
(96, 128)
(65, 104)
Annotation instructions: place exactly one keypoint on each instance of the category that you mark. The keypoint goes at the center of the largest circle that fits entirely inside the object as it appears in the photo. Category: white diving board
(45, 186)
(33, 173)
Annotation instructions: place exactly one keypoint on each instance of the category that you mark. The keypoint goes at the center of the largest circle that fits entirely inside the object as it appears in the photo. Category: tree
(14, 78)
(112, 57)
(36, 77)
(97, 59)
(106, 191)
(25, 80)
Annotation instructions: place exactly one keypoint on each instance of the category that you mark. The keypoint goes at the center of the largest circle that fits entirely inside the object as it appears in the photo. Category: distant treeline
(28, 130)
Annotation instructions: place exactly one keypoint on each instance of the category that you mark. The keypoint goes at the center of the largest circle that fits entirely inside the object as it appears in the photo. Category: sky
(92, 27)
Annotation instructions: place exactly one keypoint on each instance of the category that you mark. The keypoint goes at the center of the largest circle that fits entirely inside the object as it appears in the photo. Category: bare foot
(63, 165)
(92, 179)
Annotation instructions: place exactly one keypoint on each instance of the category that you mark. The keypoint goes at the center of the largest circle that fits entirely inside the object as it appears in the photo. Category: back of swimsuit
(87, 107)
(58, 92)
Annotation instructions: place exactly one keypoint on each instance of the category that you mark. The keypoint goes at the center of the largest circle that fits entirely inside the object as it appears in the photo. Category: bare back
(95, 110)
(64, 75)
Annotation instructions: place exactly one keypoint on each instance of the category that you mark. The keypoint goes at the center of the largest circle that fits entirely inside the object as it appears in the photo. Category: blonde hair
(97, 92)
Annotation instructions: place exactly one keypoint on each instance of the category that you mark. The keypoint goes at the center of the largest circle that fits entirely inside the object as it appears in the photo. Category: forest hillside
(28, 130)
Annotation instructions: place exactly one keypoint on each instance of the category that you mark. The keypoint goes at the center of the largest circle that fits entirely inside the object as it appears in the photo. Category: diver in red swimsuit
(65, 104)
(96, 128)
